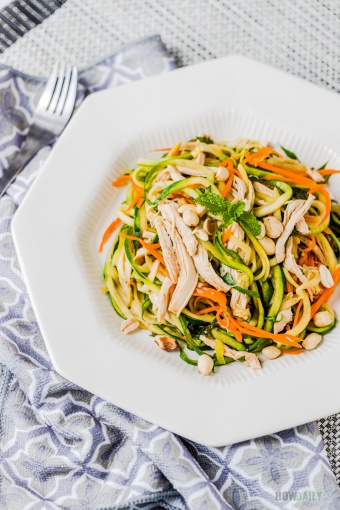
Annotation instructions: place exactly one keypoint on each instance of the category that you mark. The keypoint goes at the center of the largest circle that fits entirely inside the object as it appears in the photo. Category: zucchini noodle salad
(225, 251)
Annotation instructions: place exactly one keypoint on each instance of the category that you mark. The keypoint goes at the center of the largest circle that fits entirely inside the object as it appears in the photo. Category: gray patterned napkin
(62, 447)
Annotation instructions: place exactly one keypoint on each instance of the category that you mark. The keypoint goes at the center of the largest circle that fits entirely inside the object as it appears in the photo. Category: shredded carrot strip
(257, 157)
(285, 173)
(294, 180)
(147, 246)
(279, 338)
(227, 235)
(327, 231)
(214, 295)
(133, 203)
(140, 202)
(317, 187)
(292, 351)
(199, 300)
(328, 172)
(108, 232)
(228, 184)
(326, 293)
(297, 313)
(195, 186)
(130, 282)
(123, 179)
(207, 310)
(225, 322)
(289, 286)
(309, 248)
(312, 219)
(163, 270)
(162, 149)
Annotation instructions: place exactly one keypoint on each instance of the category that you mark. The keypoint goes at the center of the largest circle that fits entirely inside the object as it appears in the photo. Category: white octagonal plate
(59, 225)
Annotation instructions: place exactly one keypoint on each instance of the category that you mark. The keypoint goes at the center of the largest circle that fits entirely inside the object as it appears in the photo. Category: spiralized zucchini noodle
(224, 251)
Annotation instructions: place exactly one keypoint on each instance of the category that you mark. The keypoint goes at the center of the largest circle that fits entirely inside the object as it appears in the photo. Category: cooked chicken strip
(190, 171)
(261, 188)
(169, 255)
(169, 210)
(187, 279)
(314, 174)
(251, 360)
(294, 212)
(291, 264)
(239, 189)
(283, 318)
(206, 270)
(174, 173)
(302, 227)
(163, 299)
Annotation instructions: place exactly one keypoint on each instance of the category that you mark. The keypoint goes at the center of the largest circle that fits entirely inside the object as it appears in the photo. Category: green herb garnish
(290, 154)
(230, 211)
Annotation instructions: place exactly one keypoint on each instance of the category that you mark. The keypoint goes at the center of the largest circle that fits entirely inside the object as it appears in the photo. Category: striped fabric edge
(20, 16)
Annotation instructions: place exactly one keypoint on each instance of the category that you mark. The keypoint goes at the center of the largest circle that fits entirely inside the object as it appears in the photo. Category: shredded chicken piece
(261, 188)
(239, 189)
(206, 270)
(163, 299)
(294, 212)
(314, 174)
(200, 158)
(164, 175)
(169, 210)
(291, 264)
(174, 173)
(169, 255)
(302, 227)
(283, 318)
(187, 279)
(190, 171)
(251, 360)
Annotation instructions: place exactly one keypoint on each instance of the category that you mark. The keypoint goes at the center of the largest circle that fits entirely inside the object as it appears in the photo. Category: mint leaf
(230, 212)
(214, 203)
(233, 211)
(250, 223)
(290, 154)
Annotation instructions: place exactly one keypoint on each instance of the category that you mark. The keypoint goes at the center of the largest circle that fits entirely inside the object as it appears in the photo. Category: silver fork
(53, 112)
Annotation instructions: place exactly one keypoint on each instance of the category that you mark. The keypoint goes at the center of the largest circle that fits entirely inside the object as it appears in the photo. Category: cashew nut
(167, 344)
(323, 319)
(268, 245)
(209, 226)
(129, 325)
(201, 234)
(274, 227)
(201, 210)
(191, 218)
(222, 174)
(271, 352)
(311, 341)
(187, 207)
(263, 231)
(326, 277)
(205, 364)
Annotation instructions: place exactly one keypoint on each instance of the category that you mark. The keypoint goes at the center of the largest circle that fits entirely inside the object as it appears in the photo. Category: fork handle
(32, 145)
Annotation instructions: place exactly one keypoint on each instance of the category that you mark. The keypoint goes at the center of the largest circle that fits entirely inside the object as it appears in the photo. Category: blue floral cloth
(62, 447)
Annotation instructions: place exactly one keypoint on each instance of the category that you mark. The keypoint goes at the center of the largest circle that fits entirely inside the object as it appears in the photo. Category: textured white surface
(77, 216)
(301, 37)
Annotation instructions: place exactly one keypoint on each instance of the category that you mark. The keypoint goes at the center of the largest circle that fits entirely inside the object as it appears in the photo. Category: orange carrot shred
(108, 232)
(310, 248)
